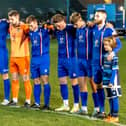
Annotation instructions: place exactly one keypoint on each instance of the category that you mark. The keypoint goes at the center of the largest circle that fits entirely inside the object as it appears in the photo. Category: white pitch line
(77, 115)
(81, 116)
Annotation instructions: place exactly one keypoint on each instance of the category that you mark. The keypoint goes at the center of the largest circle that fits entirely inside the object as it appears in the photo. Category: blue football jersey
(66, 42)
(40, 42)
(4, 25)
(98, 48)
(84, 43)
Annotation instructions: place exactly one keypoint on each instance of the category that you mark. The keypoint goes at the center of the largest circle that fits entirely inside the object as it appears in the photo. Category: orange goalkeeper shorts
(20, 65)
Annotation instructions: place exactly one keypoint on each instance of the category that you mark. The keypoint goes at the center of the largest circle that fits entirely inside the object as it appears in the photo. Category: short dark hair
(30, 18)
(75, 17)
(57, 18)
(13, 13)
(101, 10)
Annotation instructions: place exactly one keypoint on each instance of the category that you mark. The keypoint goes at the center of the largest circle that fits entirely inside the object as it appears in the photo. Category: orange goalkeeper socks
(15, 88)
(28, 89)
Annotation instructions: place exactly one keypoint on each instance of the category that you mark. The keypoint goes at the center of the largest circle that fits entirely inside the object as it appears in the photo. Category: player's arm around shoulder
(25, 27)
(110, 31)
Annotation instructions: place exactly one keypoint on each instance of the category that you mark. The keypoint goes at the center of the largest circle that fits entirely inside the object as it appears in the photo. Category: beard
(16, 24)
(98, 22)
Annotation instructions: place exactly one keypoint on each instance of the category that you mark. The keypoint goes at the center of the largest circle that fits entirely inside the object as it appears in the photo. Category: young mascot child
(111, 79)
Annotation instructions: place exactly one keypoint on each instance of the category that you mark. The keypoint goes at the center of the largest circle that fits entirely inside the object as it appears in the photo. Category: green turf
(23, 117)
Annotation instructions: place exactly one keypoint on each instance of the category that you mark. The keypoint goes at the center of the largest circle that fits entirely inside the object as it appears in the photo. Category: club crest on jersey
(18, 29)
(80, 38)
(35, 42)
(96, 43)
(61, 40)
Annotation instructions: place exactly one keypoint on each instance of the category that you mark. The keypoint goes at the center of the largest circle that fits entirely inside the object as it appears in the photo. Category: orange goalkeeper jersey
(19, 40)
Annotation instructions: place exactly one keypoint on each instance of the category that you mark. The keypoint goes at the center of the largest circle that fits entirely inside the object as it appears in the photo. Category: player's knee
(83, 88)
(36, 81)
(63, 80)
(25, 78)
(45, 79)
(15, 76)
(5, 76)
(74, 81)
(91, 81)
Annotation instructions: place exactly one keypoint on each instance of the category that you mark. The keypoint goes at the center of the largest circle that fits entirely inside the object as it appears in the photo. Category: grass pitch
(23, 117)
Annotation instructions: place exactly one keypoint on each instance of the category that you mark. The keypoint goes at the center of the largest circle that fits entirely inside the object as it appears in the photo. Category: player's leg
(35, 75)
(64, 94)
(15, 82)
(73, 73)
(97, 77)
(44, 72)
(75, 88)
(37, 91)
(6, 89)
(83, 93)
(94, 96)
(37, 94)
(82, 79)
(24, 69)
(4, 72)
(47, 92)
(15, 89)
(62, 75)
(93, 86)
(28, 89)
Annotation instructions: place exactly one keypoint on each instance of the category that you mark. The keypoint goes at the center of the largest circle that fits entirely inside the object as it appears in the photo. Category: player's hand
(109, 25)
(110, 85)
(51, 27)
(90, 23)
(110, 56)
